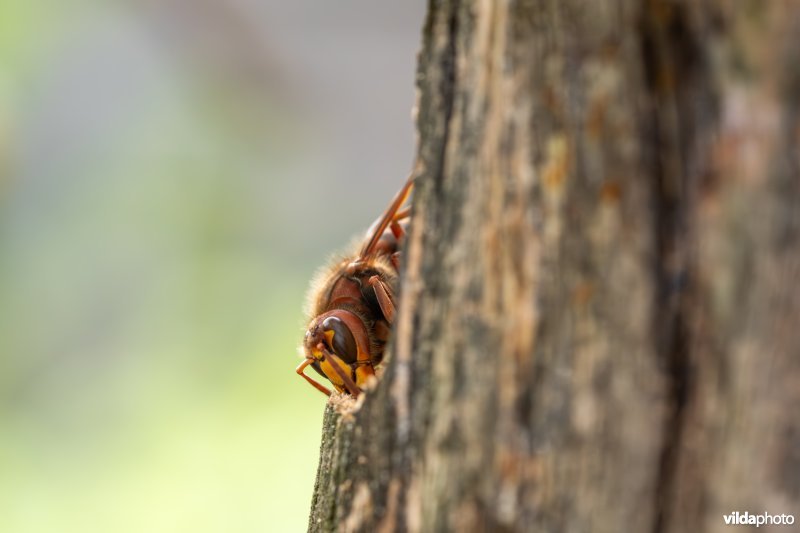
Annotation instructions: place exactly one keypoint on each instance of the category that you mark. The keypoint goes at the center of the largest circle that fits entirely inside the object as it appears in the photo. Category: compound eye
(340, 339)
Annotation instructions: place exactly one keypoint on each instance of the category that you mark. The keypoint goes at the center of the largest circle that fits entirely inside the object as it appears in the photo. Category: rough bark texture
(600, 321)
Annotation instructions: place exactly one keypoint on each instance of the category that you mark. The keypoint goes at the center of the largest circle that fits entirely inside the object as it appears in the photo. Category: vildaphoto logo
(747, 519)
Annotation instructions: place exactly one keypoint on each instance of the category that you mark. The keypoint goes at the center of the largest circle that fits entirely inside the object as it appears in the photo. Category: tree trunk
(599, 327)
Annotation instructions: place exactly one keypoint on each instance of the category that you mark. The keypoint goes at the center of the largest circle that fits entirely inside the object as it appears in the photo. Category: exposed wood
(599, 326)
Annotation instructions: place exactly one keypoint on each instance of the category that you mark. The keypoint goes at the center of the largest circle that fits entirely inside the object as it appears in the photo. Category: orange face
(336, 354)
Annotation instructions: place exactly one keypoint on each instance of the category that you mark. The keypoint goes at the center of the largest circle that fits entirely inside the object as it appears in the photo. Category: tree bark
(599, 327)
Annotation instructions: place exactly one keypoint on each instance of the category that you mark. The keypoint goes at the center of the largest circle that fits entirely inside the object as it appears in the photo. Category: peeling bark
(598, 328)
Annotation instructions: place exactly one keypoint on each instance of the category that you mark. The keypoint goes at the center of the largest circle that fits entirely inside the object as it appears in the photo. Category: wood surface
(599, 325)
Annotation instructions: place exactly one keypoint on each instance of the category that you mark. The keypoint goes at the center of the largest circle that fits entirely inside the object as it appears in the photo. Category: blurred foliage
(151, 285)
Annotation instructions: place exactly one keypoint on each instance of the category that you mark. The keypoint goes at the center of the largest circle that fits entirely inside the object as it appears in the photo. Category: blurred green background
(171, 174)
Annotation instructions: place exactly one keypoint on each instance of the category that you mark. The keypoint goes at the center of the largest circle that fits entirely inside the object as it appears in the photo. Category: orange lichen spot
(554, 171)
(662, 10)
(666, 80)
(610, 192)
(596, 117)
(582, 294)
(609, 51)
(551, 100)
